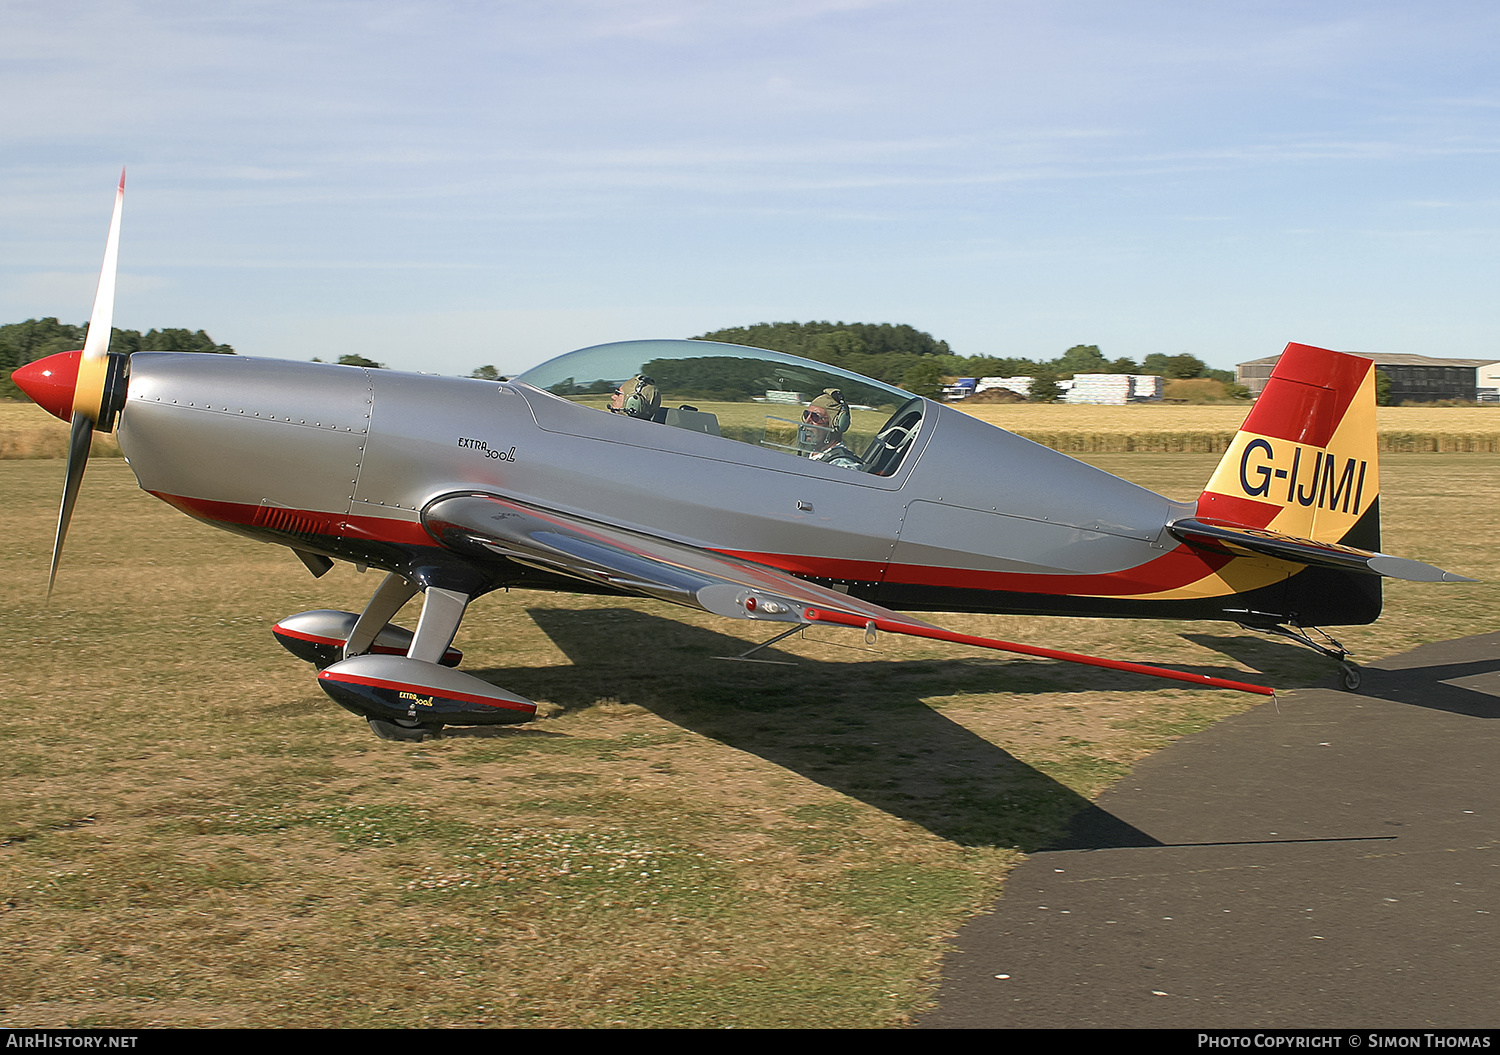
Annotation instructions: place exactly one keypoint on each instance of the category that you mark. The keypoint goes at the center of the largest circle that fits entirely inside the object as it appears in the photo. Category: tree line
(897, 354)
(903, 355)
(26, 342)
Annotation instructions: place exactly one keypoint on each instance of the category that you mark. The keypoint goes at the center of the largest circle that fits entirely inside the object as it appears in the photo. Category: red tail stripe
(1307, 395)
(1243, 511)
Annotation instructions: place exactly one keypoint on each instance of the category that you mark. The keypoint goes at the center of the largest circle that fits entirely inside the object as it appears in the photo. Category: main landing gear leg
(1333, 650)
(442, 611)
(391, 595)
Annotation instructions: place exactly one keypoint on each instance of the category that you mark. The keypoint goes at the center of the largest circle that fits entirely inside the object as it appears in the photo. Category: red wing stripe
(937, 634)
(1175, 568)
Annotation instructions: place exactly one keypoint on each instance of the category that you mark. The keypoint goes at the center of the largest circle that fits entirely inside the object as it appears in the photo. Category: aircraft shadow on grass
(1424, 677)
(860, 728)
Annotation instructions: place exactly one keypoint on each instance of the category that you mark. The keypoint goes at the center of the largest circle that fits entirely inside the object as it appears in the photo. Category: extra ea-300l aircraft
(867, 503)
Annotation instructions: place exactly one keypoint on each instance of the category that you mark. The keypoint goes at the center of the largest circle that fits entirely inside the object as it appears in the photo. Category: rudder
(1305, 463)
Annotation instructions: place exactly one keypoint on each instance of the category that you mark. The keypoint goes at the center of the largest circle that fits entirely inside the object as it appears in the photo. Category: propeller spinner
(85, 388)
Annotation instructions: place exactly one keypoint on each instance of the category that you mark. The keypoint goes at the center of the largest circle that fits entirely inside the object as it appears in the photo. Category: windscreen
(751, 395)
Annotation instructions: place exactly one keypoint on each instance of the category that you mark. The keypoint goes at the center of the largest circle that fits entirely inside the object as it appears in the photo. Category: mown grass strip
(193, 835)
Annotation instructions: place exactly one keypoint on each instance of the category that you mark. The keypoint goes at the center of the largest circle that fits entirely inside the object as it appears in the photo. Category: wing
(488, 526)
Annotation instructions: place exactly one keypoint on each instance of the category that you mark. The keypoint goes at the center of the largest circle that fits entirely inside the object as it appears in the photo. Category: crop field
(194, 835)
(1163, 417)
(27, 431)
(1168, 428)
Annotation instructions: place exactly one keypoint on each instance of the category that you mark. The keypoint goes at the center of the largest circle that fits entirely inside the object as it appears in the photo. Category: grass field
(193, 834)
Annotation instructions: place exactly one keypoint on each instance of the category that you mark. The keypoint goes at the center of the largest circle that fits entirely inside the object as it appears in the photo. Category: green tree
(486, 373)
(1174, 367)
(924, 378)
(359, 360)
(886, 353)
(1184, 366)
(1382, 388)
(988, 366)
(1044, 387)
(1081, 359)
(838, 347)
(171, 340)
(26, 342)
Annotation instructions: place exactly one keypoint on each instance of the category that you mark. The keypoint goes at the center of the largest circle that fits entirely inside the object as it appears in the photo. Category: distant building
(1414, 378)
(790, 398)
(1487, 378)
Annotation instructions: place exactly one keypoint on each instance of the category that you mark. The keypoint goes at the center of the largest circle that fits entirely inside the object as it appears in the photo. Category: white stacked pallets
(1114, 389)
(1106, 389)
(1021, 386)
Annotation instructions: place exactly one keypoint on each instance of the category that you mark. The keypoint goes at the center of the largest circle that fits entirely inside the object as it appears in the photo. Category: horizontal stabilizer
(1237, 540)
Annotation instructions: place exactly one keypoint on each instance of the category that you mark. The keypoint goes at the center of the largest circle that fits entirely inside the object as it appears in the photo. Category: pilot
(638, 398)
(832, 401)
(824, 423)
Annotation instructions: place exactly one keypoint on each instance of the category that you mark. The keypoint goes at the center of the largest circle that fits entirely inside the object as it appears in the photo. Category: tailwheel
(1349, 673)
(403, 730)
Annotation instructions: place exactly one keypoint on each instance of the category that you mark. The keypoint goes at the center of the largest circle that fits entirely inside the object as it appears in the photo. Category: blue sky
(444, 184)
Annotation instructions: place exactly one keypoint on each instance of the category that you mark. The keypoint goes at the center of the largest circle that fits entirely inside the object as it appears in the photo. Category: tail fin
(1305, 462)
(1301, 484)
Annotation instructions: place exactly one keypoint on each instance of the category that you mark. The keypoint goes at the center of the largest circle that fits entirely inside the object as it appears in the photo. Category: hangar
(1414, 378)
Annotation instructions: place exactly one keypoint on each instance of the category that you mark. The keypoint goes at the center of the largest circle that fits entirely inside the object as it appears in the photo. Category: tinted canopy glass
(752, 395)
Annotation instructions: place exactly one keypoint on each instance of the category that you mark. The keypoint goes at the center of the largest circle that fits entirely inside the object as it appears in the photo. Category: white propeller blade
(101, 321)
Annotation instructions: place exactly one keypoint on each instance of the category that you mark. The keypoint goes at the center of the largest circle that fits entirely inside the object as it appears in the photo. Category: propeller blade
(88, 393)
(79, 439)
(89, 390)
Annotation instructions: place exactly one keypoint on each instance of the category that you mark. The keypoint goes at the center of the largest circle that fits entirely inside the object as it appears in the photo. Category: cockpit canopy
(765, 398)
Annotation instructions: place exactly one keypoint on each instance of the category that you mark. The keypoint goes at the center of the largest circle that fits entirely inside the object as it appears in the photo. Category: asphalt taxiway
(1327, 860)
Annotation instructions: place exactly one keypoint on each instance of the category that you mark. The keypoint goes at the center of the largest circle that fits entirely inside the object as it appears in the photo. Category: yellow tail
(1305, 463)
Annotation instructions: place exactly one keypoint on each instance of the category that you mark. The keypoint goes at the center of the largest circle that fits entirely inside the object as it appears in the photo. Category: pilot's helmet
(639, 397)
(831, 412)
(817, 432)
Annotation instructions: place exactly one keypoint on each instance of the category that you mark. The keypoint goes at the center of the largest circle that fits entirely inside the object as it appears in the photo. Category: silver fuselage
(263, 442)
